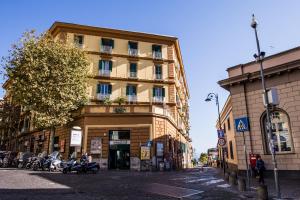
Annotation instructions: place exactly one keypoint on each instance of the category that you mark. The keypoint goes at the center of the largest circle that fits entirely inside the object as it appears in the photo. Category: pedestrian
(260, 167)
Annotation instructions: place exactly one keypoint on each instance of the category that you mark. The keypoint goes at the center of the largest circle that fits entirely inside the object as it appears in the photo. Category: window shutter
(109, 88)
(127, 90)
(133, 67)
(110, 65)
(163, 92)
(153, 92)
(112, 43)
(100, 64)
(102, 42)
(134, 90)
(98, 88)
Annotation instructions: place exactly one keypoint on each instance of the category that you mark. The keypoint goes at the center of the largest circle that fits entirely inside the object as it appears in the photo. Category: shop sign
(145, 153)
(113, 142)
(96, 145)
(159, 149)
(76, 136)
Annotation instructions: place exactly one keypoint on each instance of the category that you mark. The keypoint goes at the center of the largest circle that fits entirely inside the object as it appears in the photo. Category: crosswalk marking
(213, 182)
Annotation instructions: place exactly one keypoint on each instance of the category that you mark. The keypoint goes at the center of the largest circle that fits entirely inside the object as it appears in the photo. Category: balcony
(104, 72)
(158, 76)
(133, 52)
(106, 49)
(157, 55)
(158, 99)
(132, 74)
(132, 98)
(102, 97)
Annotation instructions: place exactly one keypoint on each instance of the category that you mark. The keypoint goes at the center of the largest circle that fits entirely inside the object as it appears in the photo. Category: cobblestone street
(21, 184)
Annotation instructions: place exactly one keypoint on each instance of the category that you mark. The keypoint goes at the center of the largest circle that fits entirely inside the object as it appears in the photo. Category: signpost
(221, 142)
(242, 125)
(76, 138)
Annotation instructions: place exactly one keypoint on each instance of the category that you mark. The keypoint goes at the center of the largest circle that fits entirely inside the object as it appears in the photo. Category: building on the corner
(282, 71)
(227, 125)
(147, 70)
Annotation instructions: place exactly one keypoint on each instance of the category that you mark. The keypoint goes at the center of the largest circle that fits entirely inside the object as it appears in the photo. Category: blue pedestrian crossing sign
(241, 124)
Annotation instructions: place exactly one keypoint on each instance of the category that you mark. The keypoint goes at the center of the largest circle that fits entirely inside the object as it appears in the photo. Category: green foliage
(107, 101)
(203, 158)
(120, 100)
(47, 78)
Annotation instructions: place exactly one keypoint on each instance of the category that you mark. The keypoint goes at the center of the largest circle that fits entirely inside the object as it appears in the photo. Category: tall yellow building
(144, 69)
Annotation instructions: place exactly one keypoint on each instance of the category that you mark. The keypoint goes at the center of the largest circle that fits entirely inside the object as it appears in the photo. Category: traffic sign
(220, 133)
(221, 141)
(241, 124)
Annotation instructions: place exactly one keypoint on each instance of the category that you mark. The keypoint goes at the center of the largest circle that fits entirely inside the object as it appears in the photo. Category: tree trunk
(51, 139)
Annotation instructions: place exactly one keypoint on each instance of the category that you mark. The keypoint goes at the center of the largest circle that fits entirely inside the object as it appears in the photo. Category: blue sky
(214, 35)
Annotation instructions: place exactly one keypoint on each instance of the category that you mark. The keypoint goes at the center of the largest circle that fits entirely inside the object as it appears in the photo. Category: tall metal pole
(220, 127)
(246, 157)
(270, 140)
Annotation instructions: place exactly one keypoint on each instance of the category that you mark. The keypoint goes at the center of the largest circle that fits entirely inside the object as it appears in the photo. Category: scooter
(39, 162)
(89, 166)
(23, 159)
(56, 162)
(72, 165)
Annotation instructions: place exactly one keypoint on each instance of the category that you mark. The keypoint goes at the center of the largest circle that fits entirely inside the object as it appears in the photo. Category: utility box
(272, 96)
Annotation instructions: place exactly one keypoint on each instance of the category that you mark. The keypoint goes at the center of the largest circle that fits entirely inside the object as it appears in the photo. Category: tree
(47, 78)
(203, 158)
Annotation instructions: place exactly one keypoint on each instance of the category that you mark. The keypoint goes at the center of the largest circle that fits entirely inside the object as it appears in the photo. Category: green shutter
(163, 92)
(134, 90)
(110, 65)
(112, 43)
(127, 90)
(109, 89)
(133, 67)
(153, 92)
(100, 64)
(98, 88)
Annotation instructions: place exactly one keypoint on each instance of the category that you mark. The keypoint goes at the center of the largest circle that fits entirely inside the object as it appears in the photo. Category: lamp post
(259, 58)
(210, 97)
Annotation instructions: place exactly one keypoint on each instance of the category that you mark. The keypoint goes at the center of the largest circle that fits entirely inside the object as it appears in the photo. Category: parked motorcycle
(23, 159)
(9, 159)
(83, 166)
(31, 160)
(39, 162)
(56, 162)
(72, 165)
(2, 156)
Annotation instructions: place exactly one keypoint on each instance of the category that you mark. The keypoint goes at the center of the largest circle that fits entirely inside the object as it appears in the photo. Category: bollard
(262, 192)
(242, 184)
(232, 179)
(234, 174)
(226, 177)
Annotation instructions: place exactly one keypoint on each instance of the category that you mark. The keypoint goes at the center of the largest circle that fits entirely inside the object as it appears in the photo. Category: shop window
(281, 132)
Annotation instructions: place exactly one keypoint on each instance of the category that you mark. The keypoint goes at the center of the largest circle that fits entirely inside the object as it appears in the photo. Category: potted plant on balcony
(107, 102)
(120, 108)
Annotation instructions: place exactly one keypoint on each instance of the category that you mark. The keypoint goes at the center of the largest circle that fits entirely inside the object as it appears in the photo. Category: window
(131, 93)
(119, 135)
(228, 123)
(280, 129)
(78, 41)
(158, 94)
(107, 45)
(133, 70)
(132, 48)
(231, 150)
(103, 91)
(105, 67)
(156, 51)
(158, 72)
(56, 143)
(224, 127)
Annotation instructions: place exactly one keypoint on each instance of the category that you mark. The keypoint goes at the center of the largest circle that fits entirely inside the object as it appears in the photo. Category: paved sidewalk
(290, 187)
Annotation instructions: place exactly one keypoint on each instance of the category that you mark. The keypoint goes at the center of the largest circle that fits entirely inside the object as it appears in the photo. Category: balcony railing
(131, 98)
(133, 52)
(157, 55)
(158, 76)
(158, 99)
(104, 72)
(102, 97)
(106, 49)
(132, 74)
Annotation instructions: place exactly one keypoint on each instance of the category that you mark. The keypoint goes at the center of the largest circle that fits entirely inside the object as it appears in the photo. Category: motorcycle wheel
(20, 165)
(35, 167)
(65, 171)
(27, 166)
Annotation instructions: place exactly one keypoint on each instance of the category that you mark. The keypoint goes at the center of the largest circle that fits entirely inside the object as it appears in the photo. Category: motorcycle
(55, 161)
(72, 165)
(39, 162)
(9, 159)
(31, 160)
(83, 166)
(2, 156)
(23, 159)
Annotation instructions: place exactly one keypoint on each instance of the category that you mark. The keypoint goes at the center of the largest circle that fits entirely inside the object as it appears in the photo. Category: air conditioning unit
(272, 97)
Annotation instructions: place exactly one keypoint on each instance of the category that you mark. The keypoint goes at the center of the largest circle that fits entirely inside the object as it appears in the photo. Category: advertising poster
(96, 145)
(145, 153)
(76, 136)
(159, 149)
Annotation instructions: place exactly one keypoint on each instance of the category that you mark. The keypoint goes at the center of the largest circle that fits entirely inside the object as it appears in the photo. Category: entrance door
(119, 149)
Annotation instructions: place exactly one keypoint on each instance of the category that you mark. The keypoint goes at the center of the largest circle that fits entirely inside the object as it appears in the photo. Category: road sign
(221, 141)
(241, 124)
(220, 133)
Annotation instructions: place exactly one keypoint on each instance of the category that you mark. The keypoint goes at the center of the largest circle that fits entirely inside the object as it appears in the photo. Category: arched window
(281, 132)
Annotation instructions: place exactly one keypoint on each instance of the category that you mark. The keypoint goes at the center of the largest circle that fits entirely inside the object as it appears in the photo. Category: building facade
(227, 125)
(282, 72)
(144, 69)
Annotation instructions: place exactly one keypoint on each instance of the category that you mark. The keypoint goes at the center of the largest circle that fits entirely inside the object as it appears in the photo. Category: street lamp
(259, 57)
(210, 97)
